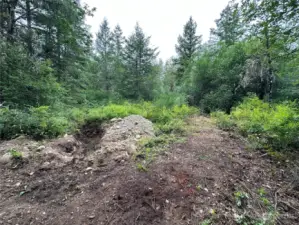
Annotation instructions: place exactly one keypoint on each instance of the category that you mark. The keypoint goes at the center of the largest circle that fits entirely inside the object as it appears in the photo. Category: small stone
(40, 148)
(138, 136)
(46, 166)
(18, 184)
(91, 217)
(206, 189)
(167, 201)
(88, 169)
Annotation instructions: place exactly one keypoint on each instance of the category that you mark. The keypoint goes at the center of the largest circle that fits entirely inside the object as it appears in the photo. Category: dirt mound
(120, 140)
(193, 182)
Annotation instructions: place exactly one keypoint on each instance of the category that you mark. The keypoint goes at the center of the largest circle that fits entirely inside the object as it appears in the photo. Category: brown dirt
(183, 186)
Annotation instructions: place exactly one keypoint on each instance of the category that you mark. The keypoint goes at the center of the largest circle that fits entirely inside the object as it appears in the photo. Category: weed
(241, 198)
(206, 222)
(198, 187)
(16, 155)
(141, 167)
(261, 192)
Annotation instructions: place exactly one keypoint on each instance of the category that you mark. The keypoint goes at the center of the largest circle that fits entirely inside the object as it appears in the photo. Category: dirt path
(192, 183)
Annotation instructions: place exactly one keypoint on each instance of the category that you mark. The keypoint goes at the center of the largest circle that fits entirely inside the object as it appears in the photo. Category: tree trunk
(270, 77)
(11, 22)
(29, 27)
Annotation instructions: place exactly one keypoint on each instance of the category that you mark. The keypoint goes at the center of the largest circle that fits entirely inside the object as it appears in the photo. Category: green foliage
(36, 122)
(216, 76)
(187, 47)
(27, 82)
(141, 167)
(206, 222)
(275, 125)
(223, 121)
(267, 219)
(241, 198)
(47, 122)
(16, 155)
(170, 99)
(139, 77)
(176, 126)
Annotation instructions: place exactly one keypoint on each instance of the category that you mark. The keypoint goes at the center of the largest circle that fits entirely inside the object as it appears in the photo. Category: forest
(97, 129)
(55, 77)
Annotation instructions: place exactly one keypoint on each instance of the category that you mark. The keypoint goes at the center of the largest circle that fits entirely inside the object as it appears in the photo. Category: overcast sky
(163, 20)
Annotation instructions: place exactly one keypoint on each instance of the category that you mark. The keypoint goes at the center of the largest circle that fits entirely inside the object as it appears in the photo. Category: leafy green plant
(141, 167)
(241, 198)
(16, 155)
(49, 122)
(207, 222)
(198, 187)
(274, 125)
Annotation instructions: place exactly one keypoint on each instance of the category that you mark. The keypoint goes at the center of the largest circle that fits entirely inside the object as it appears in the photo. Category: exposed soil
(188, 184)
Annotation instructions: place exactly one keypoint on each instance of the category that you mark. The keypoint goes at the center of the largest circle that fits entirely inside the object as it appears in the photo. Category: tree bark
(29, 27)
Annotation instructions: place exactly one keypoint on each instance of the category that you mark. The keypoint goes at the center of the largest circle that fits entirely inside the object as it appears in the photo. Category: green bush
(170, 99)
(49, 122)
(175, 126)
(276, 124)
(223, 121)
(36, 122)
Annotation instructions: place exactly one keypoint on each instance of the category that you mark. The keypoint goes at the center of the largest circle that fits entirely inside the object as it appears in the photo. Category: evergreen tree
(50, 32)
(187, 46)
(118, 51)
(139, 59)
(104, 48)
(275, 24)
(118, 41)
(229, 27)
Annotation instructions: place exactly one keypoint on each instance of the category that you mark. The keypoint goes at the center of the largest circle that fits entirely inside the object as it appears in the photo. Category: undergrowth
(50, 122)
(268, 126)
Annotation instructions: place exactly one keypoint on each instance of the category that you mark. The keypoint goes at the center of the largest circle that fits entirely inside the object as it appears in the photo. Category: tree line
(48, 57)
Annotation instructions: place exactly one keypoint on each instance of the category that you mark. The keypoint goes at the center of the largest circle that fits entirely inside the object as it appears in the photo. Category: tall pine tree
(104, 49)
(139, 61)
(187, 46)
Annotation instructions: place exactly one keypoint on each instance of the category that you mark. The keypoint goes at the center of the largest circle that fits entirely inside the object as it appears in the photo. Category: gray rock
(6, 158)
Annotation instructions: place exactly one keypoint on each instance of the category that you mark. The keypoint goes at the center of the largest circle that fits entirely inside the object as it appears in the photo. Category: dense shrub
(46, 122)
(170, 99)
(276, 125)
(36, 122)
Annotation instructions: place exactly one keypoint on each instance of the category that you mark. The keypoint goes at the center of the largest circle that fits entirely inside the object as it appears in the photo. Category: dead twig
(137, 218)
(288, 205)
(150, 205)
(111, 218)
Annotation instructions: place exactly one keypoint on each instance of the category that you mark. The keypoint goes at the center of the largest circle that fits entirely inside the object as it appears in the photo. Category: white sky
(163, 20)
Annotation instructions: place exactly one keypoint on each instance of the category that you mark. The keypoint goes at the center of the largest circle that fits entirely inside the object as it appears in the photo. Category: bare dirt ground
(192, 182)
